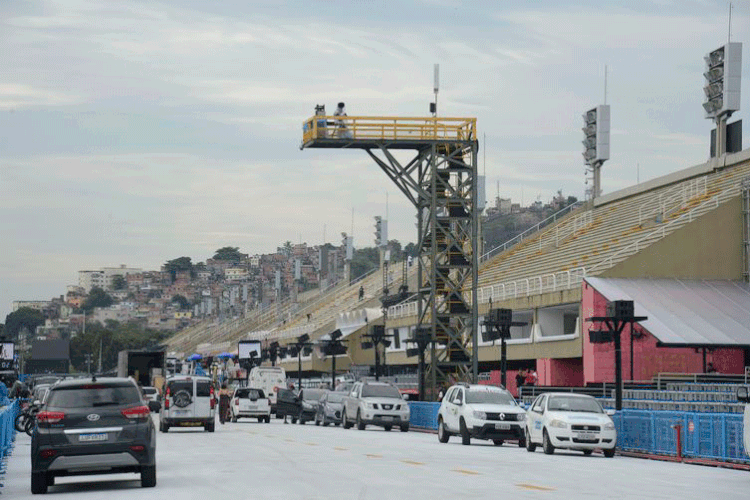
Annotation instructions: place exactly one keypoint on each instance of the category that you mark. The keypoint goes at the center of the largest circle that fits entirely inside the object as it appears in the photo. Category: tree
(179, 264)
(411, 249)
(364, 260)
(119, 282)
(23, 317)
(181, 301)
(231, 254)
(97, 298)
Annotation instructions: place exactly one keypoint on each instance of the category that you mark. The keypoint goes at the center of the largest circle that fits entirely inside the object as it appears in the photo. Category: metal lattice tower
(440, 179)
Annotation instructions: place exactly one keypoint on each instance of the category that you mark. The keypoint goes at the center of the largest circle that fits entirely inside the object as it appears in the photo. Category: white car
(152, 397)
(375, 403)
(189, 402)
(250, 403)
(571, 421)
(482, 412)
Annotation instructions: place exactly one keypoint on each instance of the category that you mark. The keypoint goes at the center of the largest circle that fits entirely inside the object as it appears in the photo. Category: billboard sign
(7, 355)
(246, 347)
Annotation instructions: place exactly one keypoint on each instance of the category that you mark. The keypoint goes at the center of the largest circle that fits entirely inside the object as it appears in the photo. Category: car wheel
(360, 425)
(38, 483)
(211, 427)
(260, 420)
(497, 442)
(148, 476)
(443, 434)
(345, 421)
(609, 453)
(547, 444)
(20, 422)
(234, 420)
(268, 419)
(294, 420)
(388, 428)
(405, 428)
(317, 422)
(326, 424)
(465, 436)
(530, 446)
(522, 442)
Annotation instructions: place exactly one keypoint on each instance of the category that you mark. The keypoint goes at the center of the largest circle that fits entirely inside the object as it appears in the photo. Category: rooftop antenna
(352, 233)
(386, 205)
(435, 87)
(729, 38)
(484, 151)
(605, 83)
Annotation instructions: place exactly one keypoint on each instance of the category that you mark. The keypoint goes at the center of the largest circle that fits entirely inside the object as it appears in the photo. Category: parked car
(375, 403)
(310, 401)
(571, 421)
(482, 412)
(250, 403)
(288, 404)
(93, 426)
(330, 408)
(268, 378)
(152, 397)
(189, 402)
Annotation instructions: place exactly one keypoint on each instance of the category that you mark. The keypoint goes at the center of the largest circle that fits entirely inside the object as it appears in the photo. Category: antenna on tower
(729, 38)
(605, 83)
(435, 88)
(484, 151)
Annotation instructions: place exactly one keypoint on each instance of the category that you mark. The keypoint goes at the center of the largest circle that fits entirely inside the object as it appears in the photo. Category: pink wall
(599, 359)
(560, 372)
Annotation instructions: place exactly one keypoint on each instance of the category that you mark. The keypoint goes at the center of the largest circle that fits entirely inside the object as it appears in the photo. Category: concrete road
(275, 461)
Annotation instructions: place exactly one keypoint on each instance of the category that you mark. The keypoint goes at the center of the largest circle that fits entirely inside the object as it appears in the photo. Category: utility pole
(101, 343)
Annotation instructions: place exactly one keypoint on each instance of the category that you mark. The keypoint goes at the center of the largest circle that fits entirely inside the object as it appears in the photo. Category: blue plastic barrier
(715, 436)
(7, 429)
(423, 415)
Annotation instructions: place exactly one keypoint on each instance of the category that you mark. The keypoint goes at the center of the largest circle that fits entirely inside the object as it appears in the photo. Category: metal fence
(714, 436)
(7, 435)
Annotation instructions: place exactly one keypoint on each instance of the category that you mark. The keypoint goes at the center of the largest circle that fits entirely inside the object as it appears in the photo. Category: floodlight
(307, 350)
(367, 345)
(411, 352)
(386, 342)
(335, 335)
(723, 70)
(293, 351)
(596, 134)
(274, 345)
(303, 338)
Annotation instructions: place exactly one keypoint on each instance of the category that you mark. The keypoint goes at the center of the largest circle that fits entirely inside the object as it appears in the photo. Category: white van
(270, 379)
(188, 402)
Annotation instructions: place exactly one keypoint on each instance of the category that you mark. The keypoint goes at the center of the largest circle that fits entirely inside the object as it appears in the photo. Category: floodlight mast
(723, 71)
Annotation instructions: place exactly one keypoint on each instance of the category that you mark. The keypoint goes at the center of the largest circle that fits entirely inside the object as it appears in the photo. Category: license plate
(181, 412)
(252, 407)
(585, 435)
(92, 437)
(502, 427)
(387, 419)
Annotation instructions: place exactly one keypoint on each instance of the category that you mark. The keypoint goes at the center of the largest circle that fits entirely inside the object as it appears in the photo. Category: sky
(134, 132)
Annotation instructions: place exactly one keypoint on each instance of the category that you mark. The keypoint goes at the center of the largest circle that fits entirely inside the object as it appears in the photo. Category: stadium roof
(687, 313)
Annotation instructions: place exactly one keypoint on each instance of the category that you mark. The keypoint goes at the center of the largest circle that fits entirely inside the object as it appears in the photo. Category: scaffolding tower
(439, 177)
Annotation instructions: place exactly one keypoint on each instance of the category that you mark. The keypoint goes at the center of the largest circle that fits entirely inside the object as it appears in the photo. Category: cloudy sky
(133, 132)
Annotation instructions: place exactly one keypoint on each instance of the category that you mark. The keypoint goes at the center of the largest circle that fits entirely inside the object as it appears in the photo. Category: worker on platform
(341, 129)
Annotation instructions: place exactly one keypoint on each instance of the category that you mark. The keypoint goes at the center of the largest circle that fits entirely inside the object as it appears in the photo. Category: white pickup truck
(743, 396)
(250, 403)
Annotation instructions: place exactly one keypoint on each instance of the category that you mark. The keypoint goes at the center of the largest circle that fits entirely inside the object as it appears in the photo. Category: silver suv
(189, 402)
(375, 403)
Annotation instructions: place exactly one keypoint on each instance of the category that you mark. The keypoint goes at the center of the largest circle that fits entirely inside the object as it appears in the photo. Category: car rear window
(250, 394)
(93, 395)
(335, 397)
(203, 390)
(177, 386)
(312, 394)
(149, 390)
(380, 391)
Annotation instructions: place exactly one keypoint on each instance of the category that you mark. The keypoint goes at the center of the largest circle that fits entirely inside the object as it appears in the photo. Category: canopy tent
(686, 313)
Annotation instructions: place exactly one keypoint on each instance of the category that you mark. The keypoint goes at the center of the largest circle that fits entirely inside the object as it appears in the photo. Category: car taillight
(237, 402)
(49, 417)
(213, 401)
(138, 448)
(166, 399)
(136, 413)
(47, 453)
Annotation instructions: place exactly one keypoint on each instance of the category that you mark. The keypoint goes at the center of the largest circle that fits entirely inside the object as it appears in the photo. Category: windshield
(380, 391)
(93, 396)
(573, 403)
(312, 394)
(335, 397)
(489, 396)
(250, 394)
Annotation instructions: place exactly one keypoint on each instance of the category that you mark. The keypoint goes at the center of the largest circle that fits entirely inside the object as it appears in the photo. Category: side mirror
(611, 413)
(457, 402)
(743, 396)
(405, 397)
(37, 402)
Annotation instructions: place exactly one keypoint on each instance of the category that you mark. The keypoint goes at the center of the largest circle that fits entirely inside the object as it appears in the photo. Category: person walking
(224, 397)
(361, 292)
(520, 379)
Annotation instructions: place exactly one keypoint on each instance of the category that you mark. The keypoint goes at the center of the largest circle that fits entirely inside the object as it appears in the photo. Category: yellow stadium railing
(374, 128)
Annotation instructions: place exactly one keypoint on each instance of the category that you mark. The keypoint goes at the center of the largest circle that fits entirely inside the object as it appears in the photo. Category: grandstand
(686, 225)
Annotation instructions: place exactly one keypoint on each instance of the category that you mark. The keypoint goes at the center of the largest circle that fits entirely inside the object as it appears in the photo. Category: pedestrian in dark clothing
(361, 292)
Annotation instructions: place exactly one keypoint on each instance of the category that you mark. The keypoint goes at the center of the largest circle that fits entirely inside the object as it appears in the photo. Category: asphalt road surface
(249, 460)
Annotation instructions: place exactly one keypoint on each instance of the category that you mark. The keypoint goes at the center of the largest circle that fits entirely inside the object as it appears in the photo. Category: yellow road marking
(534, 487)
(339, 448)
(412, 462)
(311, 444)
(289, 440)
(368, 455)
(468, 472)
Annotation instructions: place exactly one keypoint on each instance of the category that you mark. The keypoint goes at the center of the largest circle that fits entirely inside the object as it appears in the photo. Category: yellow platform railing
(389, 128)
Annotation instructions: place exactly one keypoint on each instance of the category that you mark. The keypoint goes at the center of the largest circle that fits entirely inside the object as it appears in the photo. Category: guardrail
(713, 436)
(7, 429)
(389, 128)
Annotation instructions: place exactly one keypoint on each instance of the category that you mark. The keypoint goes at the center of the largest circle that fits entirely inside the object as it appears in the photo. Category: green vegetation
(113, 337)
(96, 298)
(179, 264)
(231, 254)
(119, 282)
(181, 302)
(23, 317)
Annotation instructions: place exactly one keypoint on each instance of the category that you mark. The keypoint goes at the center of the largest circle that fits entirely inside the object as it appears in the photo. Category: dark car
(93, 426)
(288, 404)
(329, 409)
(309, 404)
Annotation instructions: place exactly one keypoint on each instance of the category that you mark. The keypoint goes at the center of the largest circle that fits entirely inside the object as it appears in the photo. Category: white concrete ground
(275, 461)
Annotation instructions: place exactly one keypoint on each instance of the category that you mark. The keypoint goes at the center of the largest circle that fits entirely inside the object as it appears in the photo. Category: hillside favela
(364, 250)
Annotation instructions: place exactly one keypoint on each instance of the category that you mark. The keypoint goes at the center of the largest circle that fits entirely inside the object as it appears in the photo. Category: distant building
(103, 277)
(37, 305)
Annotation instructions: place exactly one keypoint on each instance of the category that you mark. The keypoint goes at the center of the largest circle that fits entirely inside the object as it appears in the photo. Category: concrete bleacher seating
(614, 231)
